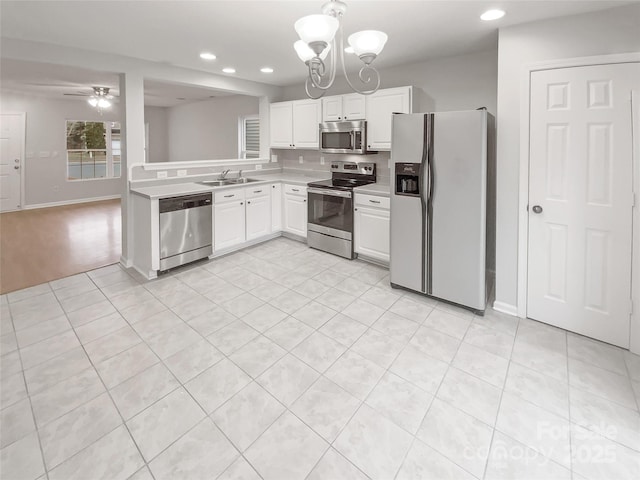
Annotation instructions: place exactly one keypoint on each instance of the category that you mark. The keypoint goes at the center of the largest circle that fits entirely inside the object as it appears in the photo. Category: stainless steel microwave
(344, 137)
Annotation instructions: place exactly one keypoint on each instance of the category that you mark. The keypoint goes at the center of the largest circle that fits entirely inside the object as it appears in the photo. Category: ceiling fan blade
(77, 94)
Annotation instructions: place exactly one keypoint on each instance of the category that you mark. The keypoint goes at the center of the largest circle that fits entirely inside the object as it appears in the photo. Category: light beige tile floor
(282, 362)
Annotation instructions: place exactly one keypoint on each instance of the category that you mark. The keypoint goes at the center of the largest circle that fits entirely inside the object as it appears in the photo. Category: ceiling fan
(100, 98)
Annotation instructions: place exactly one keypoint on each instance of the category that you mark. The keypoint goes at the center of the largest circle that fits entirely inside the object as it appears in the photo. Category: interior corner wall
(45, 165)
(158, 147)
(462, 82)
(207, 130)
(601, 33)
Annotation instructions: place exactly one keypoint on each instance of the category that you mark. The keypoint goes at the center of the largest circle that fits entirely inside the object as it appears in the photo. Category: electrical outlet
(274, 158)
(300, 159)
(161, 174)
(258, 167)
(182, 173)
(321, 160)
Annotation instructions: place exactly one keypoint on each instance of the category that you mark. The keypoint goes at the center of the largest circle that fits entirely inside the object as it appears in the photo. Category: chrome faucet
(239, 173)
(223, 174)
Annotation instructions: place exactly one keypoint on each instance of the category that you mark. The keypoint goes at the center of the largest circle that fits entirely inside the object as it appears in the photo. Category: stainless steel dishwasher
(186, 231)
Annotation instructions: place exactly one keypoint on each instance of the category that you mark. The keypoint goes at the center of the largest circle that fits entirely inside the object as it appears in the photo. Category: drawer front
(257, 191)
(229, 195)
(373, 201)
(295, 190)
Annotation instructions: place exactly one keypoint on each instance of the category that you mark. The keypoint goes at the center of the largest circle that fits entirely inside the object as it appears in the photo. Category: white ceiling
(247, 35)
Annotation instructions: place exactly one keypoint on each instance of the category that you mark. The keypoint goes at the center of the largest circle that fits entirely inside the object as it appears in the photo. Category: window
(93, 150)
(249, 137)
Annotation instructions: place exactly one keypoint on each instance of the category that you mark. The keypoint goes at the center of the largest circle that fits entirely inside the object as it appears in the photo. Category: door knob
(537, 209)
(16, 167)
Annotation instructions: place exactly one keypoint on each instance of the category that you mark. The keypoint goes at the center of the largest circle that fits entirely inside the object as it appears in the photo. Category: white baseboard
(505, 308)
(125, 262)
(70, 202)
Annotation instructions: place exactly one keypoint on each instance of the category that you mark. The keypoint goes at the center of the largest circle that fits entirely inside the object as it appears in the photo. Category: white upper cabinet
(332, 108)
(307, 115)
(354, 107)
(295, 124)
(380, 107)
(281, 125)
(344, 107)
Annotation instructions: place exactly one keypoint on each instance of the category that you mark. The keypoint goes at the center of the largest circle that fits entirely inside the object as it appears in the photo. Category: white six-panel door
(581, 199)
(11, 164)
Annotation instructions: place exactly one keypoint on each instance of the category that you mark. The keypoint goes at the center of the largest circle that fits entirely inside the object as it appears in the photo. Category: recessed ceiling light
(229, 70)
(266, 70)
(492, 15)
(207, 56)
(348, 50)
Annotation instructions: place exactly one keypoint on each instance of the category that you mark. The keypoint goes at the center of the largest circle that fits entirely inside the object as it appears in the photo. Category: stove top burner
(348, 175)
(340, 183)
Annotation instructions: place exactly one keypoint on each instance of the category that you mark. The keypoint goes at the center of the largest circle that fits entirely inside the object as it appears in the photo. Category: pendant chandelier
(321, 35)
(100, 98)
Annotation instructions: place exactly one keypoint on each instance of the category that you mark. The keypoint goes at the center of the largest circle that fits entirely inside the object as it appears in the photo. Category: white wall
(207, 130)
(158, 147)
(605, 32)
(463, 82)
(46, 176)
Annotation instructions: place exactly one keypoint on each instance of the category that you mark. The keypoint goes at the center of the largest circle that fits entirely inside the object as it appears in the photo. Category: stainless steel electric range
(330, 207)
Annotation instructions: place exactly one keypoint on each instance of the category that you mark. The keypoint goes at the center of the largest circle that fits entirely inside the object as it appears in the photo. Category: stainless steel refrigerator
(442, 205)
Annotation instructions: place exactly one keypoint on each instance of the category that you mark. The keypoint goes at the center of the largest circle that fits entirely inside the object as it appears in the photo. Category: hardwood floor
(46, 244)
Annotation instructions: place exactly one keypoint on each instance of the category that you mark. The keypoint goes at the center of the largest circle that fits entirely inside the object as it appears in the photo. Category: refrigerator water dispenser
(408, 179)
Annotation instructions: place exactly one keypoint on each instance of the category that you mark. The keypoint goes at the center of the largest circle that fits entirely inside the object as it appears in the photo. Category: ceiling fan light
(104, 103)
(93, 101)
(317, 28)
(367, 42)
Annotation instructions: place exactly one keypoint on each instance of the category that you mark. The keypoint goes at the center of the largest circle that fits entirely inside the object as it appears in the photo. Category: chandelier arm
(366, 68)
(317, 69)
(307, 84)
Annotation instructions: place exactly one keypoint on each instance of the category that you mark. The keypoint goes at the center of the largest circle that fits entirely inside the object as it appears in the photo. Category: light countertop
(380, 189)
(187, 188)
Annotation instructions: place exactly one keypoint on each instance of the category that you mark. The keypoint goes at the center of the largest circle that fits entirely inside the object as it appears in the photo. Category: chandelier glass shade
(321, 35)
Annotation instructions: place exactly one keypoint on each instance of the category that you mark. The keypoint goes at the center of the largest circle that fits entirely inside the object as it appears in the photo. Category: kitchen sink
(228, 181)
(243, 180)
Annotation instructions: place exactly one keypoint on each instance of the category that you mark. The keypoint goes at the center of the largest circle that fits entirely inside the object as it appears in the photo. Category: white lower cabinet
(371, 226)
(276, 207)
(258, 212)
(295, 210)
(229, 219)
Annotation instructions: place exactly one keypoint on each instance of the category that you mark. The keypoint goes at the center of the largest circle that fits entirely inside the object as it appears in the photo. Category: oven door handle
(331, 193)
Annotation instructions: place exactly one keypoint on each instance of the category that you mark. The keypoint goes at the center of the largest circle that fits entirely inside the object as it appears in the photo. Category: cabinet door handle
(230, 196)
(355, 209)
(257, 191)
(273, 186)
(241, 203)
(374, 201)
(248, 202)
(295, 190)
(305, 200)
